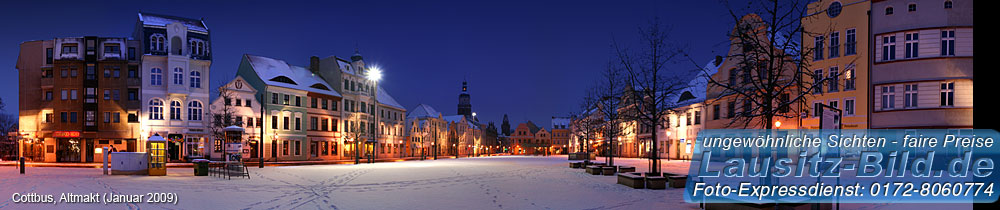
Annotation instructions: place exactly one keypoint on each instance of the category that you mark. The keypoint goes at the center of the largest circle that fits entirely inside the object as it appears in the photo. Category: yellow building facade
(837, 34)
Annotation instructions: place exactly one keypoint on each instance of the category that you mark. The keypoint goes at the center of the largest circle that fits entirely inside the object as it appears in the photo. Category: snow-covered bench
(577, 164)
(623, 169)
(608, 170)
(676, 180)
(656, 182)
(634, 180)
(594, 170)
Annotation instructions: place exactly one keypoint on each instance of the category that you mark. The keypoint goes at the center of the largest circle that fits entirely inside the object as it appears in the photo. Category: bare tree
(651, 83)
(767, 67)
(610, 92)
(355, 131)
(226, 115)
(587, 123)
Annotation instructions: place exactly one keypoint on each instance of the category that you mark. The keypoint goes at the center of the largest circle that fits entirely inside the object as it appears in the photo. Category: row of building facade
(892, 64)
(79, 94)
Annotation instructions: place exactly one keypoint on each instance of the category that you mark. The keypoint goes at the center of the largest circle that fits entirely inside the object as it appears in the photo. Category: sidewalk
(253, 163)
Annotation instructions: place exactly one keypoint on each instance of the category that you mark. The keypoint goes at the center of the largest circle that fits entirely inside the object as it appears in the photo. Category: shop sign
(66, 134)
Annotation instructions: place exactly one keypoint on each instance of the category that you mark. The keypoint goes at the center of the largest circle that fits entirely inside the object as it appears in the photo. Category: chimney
(314, 64)
(718, 60)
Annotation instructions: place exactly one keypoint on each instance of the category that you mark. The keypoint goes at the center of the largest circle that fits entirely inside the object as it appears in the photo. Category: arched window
(194, 110)
(947, 4)
(155, 109)
(888, 10)
(175, 110)
(195, 79)
(156, 76)
(156, 42)
(178, 76)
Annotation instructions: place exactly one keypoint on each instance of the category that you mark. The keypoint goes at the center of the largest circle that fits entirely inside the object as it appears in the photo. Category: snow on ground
(503, 182)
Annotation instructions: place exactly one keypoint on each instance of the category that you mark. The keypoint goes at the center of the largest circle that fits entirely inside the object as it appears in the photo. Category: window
(888, 48)
(155, 109)
(72, 94)
(48, 117)
(274, 98)
(910, 96)
(834, 80)
(818, 81)
(107, 117)
(239, 102)
(817, 108)
(733, 77)
(911, 45)
(274, 122)
(284, 147)
(851, 44)
(314, 123)
(133, 117)
(72, 117)
(848, 106)
(783, 105)
(247, 103)
(284, 123)
(73, 72)
(194, 111)
(133, 94)
(313, 103)
(48, 56)
(175, 110)
(948, 42)
(911, 7)
(298, 147)
(849, 79)
(697, 117)
(48, 95)
(888, 97)
(116, 95)
(107, 94)
(64, 95)
(196, 79)
(731, 109)
(947, 4)
(156, 42)
(298, 101)
(325, 124)
(948, 94)
(747, 108)
(818, 48)
(116, 117)
(298, 123)
(835, 44)
(133, 72)
(156, 76)
(113, 49)
(178, 76)
(834, 9)
(67, 49)
(131, 53)
(285, 102)
(888, 10)
(63, 118)
(326, 103)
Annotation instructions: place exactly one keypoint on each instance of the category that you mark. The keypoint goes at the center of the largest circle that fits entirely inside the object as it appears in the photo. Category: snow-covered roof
(162, 20)
(385, 99)
(277, 73)
(422, 110)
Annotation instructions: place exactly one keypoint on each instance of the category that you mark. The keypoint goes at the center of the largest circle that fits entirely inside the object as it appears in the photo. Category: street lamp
(374, 75)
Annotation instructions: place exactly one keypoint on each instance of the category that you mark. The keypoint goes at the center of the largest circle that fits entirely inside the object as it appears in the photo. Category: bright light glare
(374, 74)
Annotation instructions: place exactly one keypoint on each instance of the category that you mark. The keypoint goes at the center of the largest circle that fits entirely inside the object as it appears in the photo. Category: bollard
(22, 165)
(104, 151)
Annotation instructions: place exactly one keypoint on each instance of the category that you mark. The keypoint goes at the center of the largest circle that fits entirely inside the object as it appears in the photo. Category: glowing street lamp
(777, 124)
(374, 74)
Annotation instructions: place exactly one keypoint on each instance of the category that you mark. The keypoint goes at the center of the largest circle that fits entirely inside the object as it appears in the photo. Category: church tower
(505, 126)
(464, 103)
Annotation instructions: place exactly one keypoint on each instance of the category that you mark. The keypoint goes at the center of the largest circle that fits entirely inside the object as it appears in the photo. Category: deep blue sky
(528, 59)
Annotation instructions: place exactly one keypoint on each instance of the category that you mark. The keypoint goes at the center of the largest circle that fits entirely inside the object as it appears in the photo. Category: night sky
(529, 59)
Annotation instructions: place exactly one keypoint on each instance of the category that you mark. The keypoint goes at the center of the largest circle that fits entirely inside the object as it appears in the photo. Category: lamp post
(374, 74)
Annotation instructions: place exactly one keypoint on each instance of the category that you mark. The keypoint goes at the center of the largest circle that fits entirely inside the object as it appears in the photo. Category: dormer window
(284, 79)
(69, 48)
(112, 49)
(156, 42)
(198, 47)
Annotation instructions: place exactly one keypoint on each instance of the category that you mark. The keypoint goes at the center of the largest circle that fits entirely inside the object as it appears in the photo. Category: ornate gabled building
(176, 60)
(426, 129)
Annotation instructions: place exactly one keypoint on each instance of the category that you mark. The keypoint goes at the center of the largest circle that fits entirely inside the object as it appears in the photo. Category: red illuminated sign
(66, 134)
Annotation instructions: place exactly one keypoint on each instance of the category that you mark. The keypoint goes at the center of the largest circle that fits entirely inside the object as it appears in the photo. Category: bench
(623, 169)
(656, 182)
(608, 170)
(594, 170)
(634, 180)
(677, 181)
(576, 164)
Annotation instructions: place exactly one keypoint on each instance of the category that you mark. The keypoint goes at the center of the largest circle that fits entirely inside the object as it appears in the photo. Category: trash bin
(200, 167)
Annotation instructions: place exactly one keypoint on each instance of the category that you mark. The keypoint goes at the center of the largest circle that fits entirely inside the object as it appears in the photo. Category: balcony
(133, 82)
(47, 82)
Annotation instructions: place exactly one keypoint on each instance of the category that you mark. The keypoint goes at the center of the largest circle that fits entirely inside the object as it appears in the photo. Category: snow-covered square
(500, 182)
